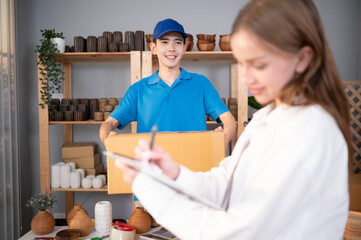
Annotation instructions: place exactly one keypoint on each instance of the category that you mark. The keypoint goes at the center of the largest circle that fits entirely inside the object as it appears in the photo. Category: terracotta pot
(140, 220)
(43, 223)
(79, 219)
(73, 211)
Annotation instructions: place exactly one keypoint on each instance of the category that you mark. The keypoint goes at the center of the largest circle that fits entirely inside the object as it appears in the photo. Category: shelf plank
(76, 122)
(125, 56)
(103, 189)
(95, 57)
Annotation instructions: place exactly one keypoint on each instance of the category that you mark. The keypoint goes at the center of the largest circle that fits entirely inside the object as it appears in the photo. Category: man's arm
(107, 129)
(229, 125)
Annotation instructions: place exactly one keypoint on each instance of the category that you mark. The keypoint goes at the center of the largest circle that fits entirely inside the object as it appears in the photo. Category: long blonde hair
(290, 25)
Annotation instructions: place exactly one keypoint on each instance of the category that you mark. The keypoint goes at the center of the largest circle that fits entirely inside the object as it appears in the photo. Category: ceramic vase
(73, 211)
(43, 223)
(103, 216)
(79, 219)
(140, 220)
(97, 182)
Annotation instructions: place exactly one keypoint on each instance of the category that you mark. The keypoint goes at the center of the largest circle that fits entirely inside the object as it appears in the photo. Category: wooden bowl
(67, 234)
(149, 38)
(148, 46)
(189, 45)
(206, 41)
(206, 46)
(225, 38)
(225, 46)
(190, 36)
(206, 37)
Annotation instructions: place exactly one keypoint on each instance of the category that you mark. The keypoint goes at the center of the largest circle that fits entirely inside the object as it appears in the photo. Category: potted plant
(43, 223)
(50, 69)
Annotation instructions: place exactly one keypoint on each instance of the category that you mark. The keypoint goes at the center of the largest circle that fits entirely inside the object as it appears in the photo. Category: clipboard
(157, 175)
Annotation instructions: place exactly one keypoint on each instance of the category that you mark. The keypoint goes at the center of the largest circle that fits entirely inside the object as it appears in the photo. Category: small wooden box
(94, 171)
(85, 162)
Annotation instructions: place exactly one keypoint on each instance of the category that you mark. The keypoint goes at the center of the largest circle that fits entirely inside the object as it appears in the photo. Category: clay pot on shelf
(43, 223)
(78, 219)
(140, 220)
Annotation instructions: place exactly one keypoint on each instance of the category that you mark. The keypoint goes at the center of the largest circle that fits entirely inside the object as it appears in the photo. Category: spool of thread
(79, 116)
(108, 108)
(117, 37)
(113, 101)
(113, 47)
(108, 35)
(75, 179)
(66, 101)
(103, 101)
(55, 176)
(63, 107)
(130, 39)
(86, 183)
(79, 44)
(91, 44)
(76, 101)
(72, 108)
(59, 116)
(98, 116)
(68, 116)
(102, 44)
(94, 107)
(81, 171)
(106, 115)
(101, 107)
(123, 47)
(86, 101)
(65, 171)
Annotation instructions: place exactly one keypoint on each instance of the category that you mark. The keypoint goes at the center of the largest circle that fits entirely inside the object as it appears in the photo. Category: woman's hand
(157, 156)
(129, 173)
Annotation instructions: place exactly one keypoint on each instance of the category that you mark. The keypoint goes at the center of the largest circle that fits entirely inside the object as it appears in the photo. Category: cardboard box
(94, 171)
(78, 150)
(199, 151)
(85, 162)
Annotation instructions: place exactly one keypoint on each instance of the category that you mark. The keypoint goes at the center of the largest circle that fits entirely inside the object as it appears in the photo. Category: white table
(30, 235)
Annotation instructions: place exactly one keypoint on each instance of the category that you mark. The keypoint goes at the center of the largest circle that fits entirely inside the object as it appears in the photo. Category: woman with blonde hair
(287, 177)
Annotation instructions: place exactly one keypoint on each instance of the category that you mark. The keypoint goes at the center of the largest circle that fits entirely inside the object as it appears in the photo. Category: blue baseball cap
(166, 26)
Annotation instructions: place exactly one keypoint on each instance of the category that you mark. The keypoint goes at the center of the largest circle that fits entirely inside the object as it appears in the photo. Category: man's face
(170, 49)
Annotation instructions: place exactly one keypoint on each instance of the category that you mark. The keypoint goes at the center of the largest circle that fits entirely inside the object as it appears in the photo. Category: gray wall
(92, 17)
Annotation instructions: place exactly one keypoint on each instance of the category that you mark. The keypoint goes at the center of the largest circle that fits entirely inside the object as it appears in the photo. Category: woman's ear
(305, 57)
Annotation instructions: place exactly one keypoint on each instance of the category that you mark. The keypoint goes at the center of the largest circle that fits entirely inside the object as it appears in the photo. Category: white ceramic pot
(60, 43)
(97, 182)
(75, 180)
(86, 183)
(65, 171)
(103, 216)
(55, 176)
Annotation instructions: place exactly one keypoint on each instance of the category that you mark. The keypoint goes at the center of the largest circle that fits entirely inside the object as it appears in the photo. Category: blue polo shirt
(180, 107)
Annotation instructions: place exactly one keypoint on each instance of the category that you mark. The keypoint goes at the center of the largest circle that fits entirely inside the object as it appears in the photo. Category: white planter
(103, 216)
(60, 42)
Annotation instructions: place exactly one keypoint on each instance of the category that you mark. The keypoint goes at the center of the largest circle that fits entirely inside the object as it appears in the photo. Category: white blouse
(290, 183)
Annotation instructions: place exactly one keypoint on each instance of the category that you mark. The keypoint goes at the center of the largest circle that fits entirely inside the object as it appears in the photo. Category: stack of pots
(189, 42)
(224, 42)
(206, 42)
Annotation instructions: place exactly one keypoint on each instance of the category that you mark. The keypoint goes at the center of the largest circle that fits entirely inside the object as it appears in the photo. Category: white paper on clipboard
(148, 170)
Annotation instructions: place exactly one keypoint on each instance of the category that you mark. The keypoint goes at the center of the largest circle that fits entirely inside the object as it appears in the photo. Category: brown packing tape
(199, 151)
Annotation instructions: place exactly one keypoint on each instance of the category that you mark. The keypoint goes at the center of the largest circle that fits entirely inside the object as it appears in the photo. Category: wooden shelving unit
(142, 64)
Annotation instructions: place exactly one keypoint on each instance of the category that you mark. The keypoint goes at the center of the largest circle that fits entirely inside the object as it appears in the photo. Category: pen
(154, 130)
